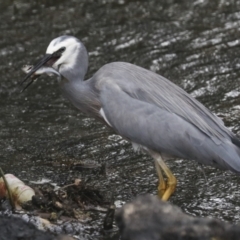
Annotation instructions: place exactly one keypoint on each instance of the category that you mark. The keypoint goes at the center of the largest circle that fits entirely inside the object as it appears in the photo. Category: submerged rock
(147, 217)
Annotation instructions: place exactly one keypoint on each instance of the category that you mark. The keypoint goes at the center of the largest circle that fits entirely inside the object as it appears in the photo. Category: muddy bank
(56, 209)
(146, 217)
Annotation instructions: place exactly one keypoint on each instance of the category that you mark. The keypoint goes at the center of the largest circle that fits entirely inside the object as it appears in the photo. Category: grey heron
(143, 107)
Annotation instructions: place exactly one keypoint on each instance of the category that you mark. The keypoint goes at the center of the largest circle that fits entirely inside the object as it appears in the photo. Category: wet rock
(148, 217)
(15, 229)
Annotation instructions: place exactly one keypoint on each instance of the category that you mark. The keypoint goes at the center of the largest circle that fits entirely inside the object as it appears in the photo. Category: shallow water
(193, 43)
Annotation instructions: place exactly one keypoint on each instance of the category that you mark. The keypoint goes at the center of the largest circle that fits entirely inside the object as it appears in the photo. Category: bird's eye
(61, 50)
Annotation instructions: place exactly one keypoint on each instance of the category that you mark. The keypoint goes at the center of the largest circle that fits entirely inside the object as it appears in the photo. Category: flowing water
(193, 43)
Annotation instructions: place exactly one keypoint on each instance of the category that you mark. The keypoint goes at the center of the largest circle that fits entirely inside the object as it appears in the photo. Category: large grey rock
(149, 218)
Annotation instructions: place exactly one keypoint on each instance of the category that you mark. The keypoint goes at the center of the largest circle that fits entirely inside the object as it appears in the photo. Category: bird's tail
(236, 141)
(231, 154)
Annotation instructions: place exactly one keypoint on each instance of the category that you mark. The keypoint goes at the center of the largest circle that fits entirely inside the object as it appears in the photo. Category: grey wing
(163, 131)
(152, 88)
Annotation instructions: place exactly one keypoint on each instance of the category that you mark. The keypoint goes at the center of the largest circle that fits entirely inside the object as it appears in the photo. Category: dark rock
(12, 228)
(109, 218)
(147, 217)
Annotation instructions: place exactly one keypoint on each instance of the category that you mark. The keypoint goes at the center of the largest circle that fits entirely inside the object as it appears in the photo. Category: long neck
(82, 95)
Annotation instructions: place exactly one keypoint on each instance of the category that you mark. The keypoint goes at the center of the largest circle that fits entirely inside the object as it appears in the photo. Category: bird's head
(65, 56)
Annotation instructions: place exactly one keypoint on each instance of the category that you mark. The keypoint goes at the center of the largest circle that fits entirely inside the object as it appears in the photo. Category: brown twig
(66, 186)
(76, 183)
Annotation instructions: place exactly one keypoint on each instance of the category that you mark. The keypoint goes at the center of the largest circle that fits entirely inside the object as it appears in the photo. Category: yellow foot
(162, 188)
(165, 188)
(170, 189)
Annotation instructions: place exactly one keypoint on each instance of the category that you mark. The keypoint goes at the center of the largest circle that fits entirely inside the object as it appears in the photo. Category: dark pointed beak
(43, 66)
(43, 61)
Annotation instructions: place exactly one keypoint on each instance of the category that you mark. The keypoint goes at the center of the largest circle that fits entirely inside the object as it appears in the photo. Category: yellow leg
(162, 184)
(165, 189)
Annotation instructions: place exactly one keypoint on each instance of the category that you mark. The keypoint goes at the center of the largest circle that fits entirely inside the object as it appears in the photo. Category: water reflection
(195, 44)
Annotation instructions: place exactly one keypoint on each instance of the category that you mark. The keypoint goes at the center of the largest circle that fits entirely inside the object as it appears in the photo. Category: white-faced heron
(143, 107)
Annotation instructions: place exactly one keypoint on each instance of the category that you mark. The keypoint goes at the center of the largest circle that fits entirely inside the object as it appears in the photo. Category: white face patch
(69, 56)
(63, 41)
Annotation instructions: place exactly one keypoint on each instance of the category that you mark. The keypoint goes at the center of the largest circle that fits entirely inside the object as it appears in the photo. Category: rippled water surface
(193, 43)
